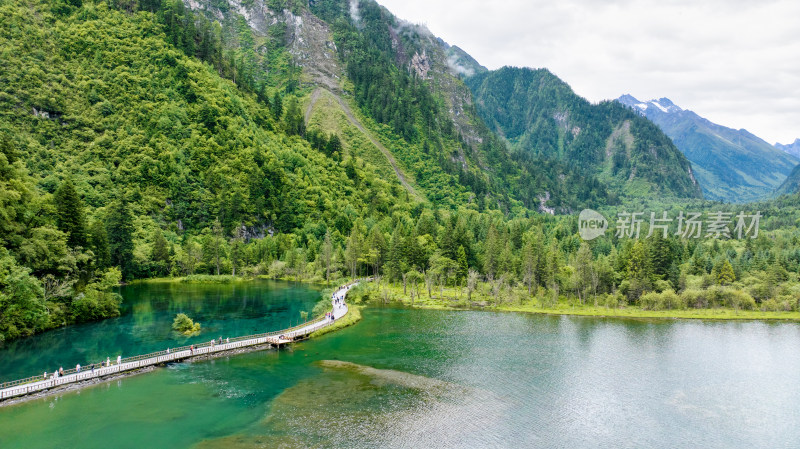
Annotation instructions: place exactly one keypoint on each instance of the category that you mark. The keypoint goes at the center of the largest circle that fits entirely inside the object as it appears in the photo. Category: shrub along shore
(714, 303)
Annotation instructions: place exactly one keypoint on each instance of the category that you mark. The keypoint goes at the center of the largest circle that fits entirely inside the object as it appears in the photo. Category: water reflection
(455, 379)
(224, 310)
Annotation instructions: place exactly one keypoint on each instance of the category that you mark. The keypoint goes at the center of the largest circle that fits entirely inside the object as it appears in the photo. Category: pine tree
(584, 271)
(98, 242)
(119, 226)
(353, 251)
(215, 245)
(461, 261)
(277, 106)
(326, 255)
(639, 265)
(491, 253)
(69, 214)
(377, 250)
(160, 253)
(553, 270)
(334, 145)
(294, 122)
(725, 275)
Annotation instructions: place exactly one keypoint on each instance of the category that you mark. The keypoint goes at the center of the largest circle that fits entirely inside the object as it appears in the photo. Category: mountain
(542, 118)
(792, 148)
(791, 184)
(731, 165)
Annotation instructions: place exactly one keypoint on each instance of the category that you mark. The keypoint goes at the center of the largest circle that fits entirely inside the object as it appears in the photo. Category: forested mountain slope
(792, 183)
(310, 142)
(150, 143)
(730, 165)
(541, 117)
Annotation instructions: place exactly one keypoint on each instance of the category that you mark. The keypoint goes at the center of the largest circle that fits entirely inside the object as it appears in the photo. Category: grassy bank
(193, 279)
(227, 279)
(353, 316)
(455, 299)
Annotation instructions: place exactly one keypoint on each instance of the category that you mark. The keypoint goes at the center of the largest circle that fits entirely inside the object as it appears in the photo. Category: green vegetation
(730, 165)
(791, 185)
(517, 300)
(185, 325)
(352, 317)
(606, 144)
(138, 141)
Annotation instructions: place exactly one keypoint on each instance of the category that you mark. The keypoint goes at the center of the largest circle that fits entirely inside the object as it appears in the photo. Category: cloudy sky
(735, 62)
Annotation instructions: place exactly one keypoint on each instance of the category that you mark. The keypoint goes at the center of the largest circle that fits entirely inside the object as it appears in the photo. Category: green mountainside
(156, 143)
(541, 117)
(730, 165)
(792, 183)
(312, 142)
(792, 148)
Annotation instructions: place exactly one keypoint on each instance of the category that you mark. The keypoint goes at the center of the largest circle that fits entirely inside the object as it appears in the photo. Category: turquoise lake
(414, 378)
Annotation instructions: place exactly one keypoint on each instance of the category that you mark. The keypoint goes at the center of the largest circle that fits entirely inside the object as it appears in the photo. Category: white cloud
(732, 61)
(354, 12)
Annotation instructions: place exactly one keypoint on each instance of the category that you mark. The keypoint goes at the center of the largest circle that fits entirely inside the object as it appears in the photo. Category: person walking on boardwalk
(78, 368)
(191, 349)
(119, 360)
(60, 371)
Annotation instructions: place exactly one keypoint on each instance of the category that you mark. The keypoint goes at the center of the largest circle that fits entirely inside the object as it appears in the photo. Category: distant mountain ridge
(541, 117)
(792, 148)
(731, 165)
(792, 183)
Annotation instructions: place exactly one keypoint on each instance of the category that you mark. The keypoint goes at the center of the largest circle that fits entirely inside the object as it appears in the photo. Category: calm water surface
(145, 324)
(442, 379)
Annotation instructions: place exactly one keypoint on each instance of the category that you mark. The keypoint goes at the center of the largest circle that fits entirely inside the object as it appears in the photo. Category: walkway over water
(39, 383)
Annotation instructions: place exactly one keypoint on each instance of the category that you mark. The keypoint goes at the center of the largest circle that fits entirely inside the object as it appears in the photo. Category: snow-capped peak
(664, 104)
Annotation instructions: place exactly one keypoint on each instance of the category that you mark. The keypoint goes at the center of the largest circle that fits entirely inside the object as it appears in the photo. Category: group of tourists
(338, 302)
(61, 373)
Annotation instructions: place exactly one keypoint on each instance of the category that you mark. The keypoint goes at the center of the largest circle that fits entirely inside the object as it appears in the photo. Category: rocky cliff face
(307, 38)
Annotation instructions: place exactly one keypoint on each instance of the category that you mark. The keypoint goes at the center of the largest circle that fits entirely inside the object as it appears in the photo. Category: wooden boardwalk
(35, 384)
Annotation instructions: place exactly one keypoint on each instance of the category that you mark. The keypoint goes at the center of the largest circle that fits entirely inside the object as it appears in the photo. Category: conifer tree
(461, 261)
(277, 106)
(69, 213)
(160, 252)
(119, 226)
(725, 275)
(98, 242)
(326, 255)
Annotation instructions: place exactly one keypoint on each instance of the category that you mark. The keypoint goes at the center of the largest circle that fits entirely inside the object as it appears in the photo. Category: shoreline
(134, 365)
(636, 314)
(591, 311)
(75, 386)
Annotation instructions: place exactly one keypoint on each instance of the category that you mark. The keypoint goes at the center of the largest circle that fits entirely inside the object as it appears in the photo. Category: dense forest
(136, 143)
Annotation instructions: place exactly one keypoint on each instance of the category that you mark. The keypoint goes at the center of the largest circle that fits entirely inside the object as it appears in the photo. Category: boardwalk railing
(38, 383)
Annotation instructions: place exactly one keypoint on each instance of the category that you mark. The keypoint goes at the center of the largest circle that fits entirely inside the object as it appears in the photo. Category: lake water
(428, 379)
